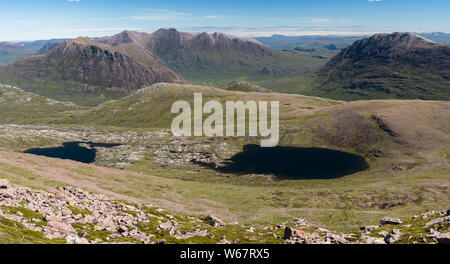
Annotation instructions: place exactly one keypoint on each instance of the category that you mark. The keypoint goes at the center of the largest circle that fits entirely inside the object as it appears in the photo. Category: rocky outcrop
(214, 221)
(390, 221)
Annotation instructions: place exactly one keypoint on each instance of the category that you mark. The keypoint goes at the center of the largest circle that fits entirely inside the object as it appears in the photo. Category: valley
(405, 144)
(364, 134)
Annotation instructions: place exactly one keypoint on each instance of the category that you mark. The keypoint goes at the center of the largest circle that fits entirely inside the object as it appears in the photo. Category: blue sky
(43, 19)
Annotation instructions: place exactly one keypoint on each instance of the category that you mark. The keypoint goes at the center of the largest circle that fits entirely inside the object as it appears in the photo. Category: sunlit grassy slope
(405, 143)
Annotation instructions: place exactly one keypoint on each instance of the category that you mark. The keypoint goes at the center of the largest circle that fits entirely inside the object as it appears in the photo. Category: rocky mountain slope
(86, 72)
(204, 56)
(398, 65)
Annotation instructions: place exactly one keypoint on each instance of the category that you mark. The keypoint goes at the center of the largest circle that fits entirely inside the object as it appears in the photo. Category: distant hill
(398, 65)
(20, 107)
(85, 72)
(281, 42)
(39, 44)
(437, 37)
(10, 52)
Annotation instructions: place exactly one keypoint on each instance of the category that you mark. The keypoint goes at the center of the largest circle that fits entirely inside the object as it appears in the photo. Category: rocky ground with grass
(132, 146)
(72, 215)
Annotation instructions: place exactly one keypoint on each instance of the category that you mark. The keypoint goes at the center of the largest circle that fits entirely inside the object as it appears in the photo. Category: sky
(23, 20)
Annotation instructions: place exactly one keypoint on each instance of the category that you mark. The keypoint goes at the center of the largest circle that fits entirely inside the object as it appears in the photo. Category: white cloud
(157, 14)
(213, 17)
(320, 20)
(74, 0)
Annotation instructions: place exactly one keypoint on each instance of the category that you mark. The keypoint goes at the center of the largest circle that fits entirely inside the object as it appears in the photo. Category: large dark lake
(295, 163)
(72, 151)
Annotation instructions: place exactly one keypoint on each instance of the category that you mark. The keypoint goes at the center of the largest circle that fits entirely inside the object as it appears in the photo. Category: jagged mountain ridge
(202, 55)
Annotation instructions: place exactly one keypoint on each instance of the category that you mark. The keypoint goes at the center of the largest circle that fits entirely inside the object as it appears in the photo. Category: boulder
(224, 242)
(290, 233)
(393, 237)
(438, 221)
(444, 238)
(5, 184)
(166, 226)
(58, 229)
(335, 239)
(368, 229)
(72, 239)
(375, 240)
(214, 221)
(390, 221)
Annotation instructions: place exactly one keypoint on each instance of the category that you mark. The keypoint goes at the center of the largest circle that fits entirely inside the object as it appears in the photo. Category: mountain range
(91, 71)
(202, 56)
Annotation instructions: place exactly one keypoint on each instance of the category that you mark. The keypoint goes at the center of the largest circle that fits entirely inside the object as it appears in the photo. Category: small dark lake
(295, 163)
(72, 151)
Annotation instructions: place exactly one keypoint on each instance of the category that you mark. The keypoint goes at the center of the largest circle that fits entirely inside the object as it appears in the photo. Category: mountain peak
(400, 40)
(385, 65)
(124, 37)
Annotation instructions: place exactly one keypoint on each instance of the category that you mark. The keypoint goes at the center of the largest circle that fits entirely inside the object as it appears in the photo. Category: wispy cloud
(157, 14)
(288, 31)
(213, 16)
(82, 30)
(320, 20)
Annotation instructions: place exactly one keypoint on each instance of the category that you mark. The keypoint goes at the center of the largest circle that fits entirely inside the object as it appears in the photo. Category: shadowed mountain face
(81, 68)
(399, 65)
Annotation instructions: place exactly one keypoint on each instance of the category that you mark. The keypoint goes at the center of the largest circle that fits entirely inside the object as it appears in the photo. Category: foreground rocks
(71, 215)
(80, 217)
